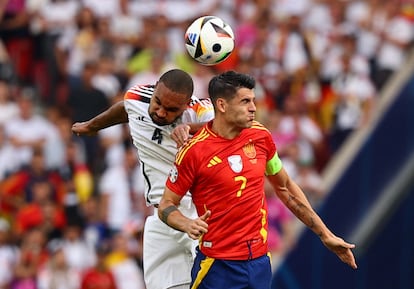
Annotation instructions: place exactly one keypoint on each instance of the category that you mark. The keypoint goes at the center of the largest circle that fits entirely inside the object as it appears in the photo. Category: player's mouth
(157, 120)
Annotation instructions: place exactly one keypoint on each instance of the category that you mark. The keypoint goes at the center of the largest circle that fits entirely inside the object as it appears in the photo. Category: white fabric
(49, 277)
(79, 256)
(115, 185)
(156, 158)
(168, 254)
(103, 8)
(34, 129)
(307, 133)
(114, 154)
(166, 248)
(390, 55)
(8, 261)
(8, 162)
(128, 275)
(8, 111)
(353, 90)
(294, 56)
(59, 15)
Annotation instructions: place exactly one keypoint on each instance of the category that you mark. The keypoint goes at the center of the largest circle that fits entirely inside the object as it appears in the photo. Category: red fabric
(96, 279)
(14, 186)
(32, 216)
(237, 225)
(20, 51)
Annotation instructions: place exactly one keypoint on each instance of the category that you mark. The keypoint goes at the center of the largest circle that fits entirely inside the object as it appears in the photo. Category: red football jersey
(227, 178)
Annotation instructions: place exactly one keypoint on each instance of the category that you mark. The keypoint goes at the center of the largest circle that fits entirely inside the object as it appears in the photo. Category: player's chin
(249, 123)
(159, 121)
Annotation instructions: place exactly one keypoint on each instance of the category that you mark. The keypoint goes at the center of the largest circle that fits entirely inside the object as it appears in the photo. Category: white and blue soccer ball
(209, 40)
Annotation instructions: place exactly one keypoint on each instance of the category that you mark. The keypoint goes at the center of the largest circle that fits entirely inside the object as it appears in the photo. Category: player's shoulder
(257, 131)
(257, 126)
(195, 145)
(140, 92)
(200, 103)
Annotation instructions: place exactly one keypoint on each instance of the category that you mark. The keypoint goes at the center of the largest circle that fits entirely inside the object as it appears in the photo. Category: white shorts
(168, 254)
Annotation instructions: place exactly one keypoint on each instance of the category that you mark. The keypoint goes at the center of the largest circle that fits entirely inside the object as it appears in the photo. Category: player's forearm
(297, 202)
(116, 114)
(171, 216)
(195, 127)
(294, 198)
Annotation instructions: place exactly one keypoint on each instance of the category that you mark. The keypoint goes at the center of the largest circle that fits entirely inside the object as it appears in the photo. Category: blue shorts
(210, 273)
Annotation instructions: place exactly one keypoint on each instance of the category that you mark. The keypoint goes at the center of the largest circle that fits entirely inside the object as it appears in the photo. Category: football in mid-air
(209, 40)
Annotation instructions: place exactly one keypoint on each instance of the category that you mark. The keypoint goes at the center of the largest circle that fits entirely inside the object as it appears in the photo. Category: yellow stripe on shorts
(205, 265)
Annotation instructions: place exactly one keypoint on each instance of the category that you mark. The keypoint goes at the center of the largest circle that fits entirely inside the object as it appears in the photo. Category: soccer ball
(209, 40)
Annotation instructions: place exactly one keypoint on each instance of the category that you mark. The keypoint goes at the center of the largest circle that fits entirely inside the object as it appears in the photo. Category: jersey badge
(173, 174)
(235, 162)
(249, 150)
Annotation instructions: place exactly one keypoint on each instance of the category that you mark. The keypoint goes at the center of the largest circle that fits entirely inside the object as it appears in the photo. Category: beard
(161, 121)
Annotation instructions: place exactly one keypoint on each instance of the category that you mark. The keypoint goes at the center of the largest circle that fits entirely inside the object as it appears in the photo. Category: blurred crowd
(72, 208)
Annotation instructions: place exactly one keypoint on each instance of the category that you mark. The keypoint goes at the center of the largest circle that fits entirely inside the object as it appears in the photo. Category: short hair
(178, 81)
(228, 83)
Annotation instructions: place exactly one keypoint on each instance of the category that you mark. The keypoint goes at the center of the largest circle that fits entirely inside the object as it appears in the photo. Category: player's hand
(342, 249)
(199, 226)
(181, 134)
(82, 128)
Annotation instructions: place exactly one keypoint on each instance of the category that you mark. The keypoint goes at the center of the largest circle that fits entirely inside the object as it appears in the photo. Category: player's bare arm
(168, 213)
(182, 133)
(294, 198)
(116, 114)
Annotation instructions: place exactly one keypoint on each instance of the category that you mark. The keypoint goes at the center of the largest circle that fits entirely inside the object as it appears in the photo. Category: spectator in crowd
(309, 179)
(30, 129)
(56, 273)
(78, 46)
(125, 269)
(42, 211)
(296, 49)
(85, 101)
(106, 80)
(79, 255)
(15, 34)
(95, 229)
(8, 163)
(8, 105)
(18, 189)
(355, 94)
(305, 131)
(33, 255)
(48, 22)
(119, 199)
(112, 140)
(99, 276)
(397, 36)
(8, 255)
(126, 32)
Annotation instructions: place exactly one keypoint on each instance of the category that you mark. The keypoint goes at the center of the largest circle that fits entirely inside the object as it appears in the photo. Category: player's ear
(221, 104)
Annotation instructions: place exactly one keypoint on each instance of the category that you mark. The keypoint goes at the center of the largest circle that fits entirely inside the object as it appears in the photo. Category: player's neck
(225, 130)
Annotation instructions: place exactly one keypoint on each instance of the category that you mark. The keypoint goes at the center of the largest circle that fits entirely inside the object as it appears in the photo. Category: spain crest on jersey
(249, 150)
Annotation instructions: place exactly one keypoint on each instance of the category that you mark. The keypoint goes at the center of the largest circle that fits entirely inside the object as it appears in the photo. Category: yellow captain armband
(274, 165)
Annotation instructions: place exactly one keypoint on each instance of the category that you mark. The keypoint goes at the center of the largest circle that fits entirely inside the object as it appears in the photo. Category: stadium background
(70, 59)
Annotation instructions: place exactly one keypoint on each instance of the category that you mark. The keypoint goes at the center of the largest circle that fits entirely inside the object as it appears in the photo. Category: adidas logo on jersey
(214, 161)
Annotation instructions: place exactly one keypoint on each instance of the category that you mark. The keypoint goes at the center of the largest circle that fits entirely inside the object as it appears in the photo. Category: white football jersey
(156, 148)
